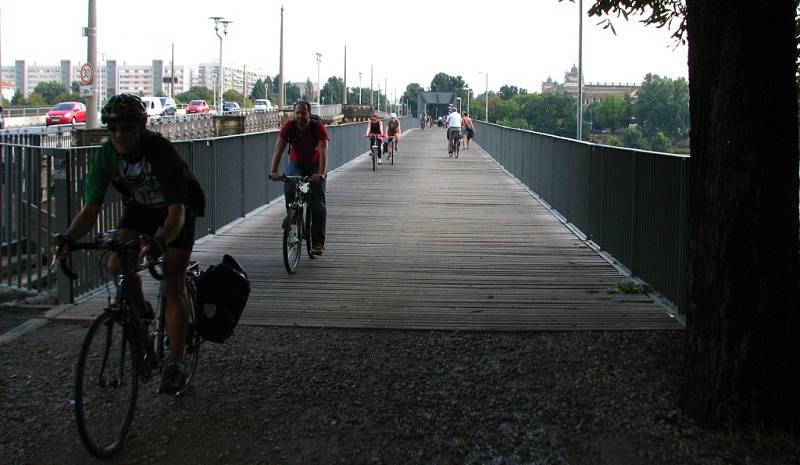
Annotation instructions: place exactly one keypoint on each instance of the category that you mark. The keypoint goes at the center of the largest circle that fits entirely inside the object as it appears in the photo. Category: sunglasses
(123, 127)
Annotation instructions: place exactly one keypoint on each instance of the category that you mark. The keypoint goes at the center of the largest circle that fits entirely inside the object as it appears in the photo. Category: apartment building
(234, 77)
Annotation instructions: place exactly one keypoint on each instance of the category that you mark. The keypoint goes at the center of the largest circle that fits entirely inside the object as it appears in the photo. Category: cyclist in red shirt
(308, 156)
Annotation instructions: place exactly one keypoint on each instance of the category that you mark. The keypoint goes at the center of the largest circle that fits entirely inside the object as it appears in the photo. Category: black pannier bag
(222, 292)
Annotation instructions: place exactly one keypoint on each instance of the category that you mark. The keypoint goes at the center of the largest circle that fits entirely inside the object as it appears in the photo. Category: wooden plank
(430, 243)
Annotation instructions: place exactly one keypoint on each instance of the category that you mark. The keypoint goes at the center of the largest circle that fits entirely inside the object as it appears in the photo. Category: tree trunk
(743, 357)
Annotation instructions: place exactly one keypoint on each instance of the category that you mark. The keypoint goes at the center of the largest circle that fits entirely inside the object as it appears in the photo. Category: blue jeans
(317, 190)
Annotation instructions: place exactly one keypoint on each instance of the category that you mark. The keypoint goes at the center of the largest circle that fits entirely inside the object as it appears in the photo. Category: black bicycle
(121, 349)
(298, 223)
(392, 148)
(454, 142)
(375, 150)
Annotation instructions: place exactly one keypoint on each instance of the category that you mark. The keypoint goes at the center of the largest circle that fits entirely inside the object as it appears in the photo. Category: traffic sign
(87, 91)
(86, 73)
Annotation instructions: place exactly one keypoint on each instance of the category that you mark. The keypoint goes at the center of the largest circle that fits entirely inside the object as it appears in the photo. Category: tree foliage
(232, 95)
(663, 105)
(634, 138)
(508, 92)
(612, 113)
(550, 113)
(52, 92)
(411, 93)
(196, 93)
(661, 143)
(259, 90)
(443, 82)
(332, 90)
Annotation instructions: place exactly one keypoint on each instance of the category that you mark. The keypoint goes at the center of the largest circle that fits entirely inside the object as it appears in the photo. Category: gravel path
(321, 396)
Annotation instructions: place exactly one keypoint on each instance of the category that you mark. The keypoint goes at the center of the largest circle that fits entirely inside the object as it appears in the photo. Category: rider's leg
(133, 281)
(319, 213)
(288, 189)
(176, 314)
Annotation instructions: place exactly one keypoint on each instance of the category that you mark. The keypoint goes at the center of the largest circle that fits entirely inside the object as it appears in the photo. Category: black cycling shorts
(147, 221)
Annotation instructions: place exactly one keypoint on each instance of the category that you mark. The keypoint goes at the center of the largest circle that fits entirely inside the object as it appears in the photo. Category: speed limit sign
(86, 73)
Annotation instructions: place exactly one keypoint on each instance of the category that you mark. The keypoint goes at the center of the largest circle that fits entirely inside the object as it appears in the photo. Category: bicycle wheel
(193, 338)
(456, 146)
(307, 233)
(106, 385)
(374, 159)
(394, 153)
(292, 236)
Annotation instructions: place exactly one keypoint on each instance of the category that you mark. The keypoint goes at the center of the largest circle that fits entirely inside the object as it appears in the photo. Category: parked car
(168, 106)
(153, 107)
(262, 104)
(197, 106)
(230, 107)
(66, 112)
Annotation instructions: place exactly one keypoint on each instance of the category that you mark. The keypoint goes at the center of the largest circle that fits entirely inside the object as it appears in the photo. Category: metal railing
(632, 204)
(11, 112)
(41, 136)
(41, 191)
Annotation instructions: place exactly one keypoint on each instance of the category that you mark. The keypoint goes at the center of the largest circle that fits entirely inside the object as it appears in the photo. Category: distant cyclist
(375, 132)
(453, 127)
(308, 156)
(392, 133)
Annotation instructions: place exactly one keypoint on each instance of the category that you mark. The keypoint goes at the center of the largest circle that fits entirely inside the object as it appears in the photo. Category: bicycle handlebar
(105, 244)
(286, 178)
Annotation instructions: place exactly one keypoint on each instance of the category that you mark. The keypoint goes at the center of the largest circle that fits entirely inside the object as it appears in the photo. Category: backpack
(222, 292)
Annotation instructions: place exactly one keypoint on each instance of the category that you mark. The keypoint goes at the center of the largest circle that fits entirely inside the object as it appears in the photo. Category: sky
(515, 42)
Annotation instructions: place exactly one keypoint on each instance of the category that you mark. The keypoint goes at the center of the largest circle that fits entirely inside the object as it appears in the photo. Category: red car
(197, 106)
(66, 112)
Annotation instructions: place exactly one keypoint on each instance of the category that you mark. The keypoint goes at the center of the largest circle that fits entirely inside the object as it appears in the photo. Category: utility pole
(91, 52)
(1, 56)
(319, 88)
(281, 92)
(371, 87)
(359, 87)
(172, 73)
(244, 84)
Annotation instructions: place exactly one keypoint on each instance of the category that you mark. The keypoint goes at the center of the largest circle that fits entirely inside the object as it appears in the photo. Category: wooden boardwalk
(429, 243)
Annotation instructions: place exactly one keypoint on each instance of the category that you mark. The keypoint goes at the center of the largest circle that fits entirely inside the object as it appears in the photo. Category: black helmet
(124, 108)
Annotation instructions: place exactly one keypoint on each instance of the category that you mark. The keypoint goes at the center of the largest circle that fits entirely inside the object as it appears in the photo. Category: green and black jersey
(159, 179)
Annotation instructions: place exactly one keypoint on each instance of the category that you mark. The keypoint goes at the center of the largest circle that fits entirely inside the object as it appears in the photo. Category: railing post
(62, 174)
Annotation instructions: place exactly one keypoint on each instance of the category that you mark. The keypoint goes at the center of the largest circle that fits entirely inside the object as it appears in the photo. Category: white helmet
(393, 115)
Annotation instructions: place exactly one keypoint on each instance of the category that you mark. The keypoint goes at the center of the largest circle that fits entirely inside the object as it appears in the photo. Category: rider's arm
(83, 221)
(280, 146)
(174, 222)
(322, 147)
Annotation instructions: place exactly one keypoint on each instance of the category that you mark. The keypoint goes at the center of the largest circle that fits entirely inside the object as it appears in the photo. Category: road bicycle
(422, 124)
(392, 141)
(298, 222)
(375, 149)
(121, 349)
(454, 143)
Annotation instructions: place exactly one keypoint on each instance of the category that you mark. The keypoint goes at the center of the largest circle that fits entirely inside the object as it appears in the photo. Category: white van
(262, 104)
(153, 107)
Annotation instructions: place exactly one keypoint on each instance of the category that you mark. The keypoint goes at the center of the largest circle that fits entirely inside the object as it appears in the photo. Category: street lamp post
(467, 89)
(359, 87)
(220, 73)
(486, 96)
(459, 104)
(580, 71)
(319, 89)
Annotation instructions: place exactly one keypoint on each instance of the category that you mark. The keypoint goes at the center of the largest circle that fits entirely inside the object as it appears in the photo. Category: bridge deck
(429, 243)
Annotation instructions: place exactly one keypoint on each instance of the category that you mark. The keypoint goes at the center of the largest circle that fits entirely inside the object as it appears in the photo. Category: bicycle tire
(394, 154)
(103, 433)
(374, 159)
(193, 338)
(307, 233)
(291, 250)
(457, 146)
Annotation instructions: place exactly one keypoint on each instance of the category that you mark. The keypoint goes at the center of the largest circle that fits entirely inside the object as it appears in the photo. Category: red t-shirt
(303, 148)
